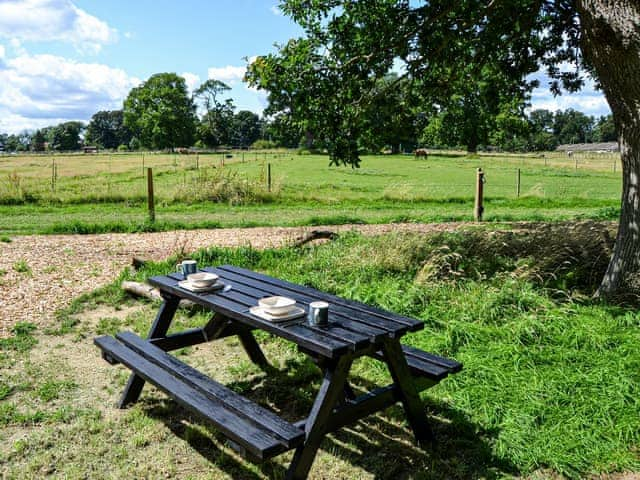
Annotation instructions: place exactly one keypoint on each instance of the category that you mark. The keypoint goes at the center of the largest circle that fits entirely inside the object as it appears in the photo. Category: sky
(65, 60)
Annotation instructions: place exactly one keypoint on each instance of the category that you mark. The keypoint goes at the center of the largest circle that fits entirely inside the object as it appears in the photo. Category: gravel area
(40, 274)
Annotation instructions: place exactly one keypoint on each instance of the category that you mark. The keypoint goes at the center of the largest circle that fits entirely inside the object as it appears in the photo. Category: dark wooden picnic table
(354, 330)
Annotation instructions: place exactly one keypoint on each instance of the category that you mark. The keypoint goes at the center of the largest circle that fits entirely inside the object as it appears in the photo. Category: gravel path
(41, 273)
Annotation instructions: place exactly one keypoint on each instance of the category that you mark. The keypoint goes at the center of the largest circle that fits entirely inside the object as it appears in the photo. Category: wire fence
(76, 178)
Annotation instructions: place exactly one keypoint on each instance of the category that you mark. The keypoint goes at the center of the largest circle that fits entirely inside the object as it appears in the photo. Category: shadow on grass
(381, 444)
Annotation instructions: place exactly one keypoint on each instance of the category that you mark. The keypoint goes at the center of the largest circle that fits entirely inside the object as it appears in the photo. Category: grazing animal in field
(421, 152)
(570, 153)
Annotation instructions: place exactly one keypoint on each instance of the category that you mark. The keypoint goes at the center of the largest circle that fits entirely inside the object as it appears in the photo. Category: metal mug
(187, 267)
(318, 315)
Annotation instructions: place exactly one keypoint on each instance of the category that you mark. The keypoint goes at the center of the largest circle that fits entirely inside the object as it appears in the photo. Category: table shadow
(382, 444)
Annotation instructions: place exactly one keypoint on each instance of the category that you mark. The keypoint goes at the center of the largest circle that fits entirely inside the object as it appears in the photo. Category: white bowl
(276, 305)
(202, 279)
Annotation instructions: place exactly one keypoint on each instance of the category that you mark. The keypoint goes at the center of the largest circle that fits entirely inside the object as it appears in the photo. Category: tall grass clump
(224, 186)
(13, 190)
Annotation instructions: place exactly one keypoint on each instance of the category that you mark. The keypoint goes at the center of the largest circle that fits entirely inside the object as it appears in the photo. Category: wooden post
(545, 160)
(479, 208)
(151, 202)
(268, 177)
(576, 162)
(197, 161)
(614, 165)
(242, 157)
(143, 165)
(53, 174)
(518, 184)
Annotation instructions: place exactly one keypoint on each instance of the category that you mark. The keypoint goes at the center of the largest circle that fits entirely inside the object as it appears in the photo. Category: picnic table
(354, 330)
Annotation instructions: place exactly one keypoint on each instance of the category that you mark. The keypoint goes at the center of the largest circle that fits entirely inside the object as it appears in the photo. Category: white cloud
(228, 74)
(588, 100)
(192, 80)
(276, 10)
(53, 20)
(39, 90)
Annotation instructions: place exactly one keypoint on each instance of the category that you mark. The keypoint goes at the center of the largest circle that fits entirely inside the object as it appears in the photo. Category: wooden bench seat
(427, 365)
(256, 430)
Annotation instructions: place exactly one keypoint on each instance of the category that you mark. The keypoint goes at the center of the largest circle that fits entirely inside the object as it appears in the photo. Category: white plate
(295, 312)
(192, 288)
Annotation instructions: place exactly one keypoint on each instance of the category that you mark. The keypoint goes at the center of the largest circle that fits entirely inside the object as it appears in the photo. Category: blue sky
(64, 60)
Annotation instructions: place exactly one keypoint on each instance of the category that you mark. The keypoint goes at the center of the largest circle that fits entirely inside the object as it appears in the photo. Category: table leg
(158, 330)
(331, 390)
(252, 348)
(401, 375)
(219, 325)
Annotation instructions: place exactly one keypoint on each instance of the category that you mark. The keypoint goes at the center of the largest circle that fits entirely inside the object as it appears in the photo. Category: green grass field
(105, 192)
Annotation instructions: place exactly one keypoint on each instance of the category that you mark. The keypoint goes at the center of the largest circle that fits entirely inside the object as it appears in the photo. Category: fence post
(143, 165)
(151, 202)
(518, 184)
(576, 163)
(479, 208)
(53, 174)
(197, 161)
(614, 165)
(268, 177)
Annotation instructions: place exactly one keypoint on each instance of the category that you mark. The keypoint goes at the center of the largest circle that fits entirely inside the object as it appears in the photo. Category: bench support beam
(158, 330)
(331, 390)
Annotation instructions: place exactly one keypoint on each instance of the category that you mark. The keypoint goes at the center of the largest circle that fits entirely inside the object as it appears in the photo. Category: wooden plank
(357, 320)
(333, 330)
(452, 365)
(257, 441)
(419, 367)
(253, 412)
(304, 337)
(411, 323)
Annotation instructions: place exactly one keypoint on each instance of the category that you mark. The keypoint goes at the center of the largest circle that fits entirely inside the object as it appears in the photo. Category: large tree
(326, 77)
(161, 113)
(107, 130)
(571, 126)
(246, 128)
(66, 136)
(216, 123)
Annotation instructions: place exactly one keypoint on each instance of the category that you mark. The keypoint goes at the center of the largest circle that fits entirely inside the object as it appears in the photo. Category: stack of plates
(201, 282)
(277, 309)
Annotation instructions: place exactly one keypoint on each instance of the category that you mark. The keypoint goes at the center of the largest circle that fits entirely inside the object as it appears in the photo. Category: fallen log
(138, 263)
(315, 235)
(147, 291)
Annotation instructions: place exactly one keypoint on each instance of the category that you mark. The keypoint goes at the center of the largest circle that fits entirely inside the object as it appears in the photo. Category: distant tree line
(161, 114)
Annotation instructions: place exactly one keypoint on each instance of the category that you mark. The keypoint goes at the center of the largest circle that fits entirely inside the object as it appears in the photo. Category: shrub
(263, 145)
(123, 148)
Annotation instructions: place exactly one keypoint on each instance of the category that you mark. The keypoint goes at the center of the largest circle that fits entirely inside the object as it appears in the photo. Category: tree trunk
(611, 43)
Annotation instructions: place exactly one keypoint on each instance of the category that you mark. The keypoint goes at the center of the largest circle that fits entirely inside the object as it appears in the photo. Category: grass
(550, 382)
(305, 191)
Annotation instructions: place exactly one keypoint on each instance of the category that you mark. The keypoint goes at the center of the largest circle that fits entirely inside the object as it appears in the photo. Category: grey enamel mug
(318, 315)
(187, 267)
